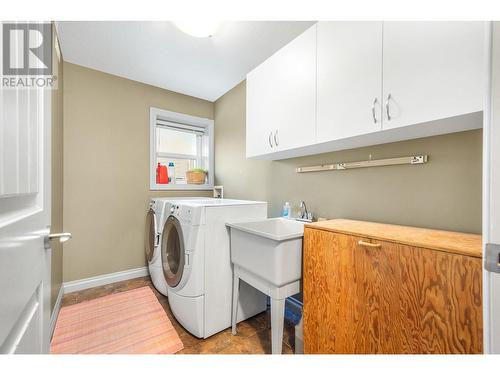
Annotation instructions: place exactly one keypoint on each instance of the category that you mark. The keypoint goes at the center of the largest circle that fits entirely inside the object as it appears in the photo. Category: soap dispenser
(286, 210)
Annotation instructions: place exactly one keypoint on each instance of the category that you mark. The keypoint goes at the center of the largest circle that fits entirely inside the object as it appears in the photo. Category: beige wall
(57, 176)
(106, 175)
(444, 194)
(106, 167)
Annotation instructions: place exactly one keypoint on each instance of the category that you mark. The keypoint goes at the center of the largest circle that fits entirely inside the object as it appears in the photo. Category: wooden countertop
(451, 242)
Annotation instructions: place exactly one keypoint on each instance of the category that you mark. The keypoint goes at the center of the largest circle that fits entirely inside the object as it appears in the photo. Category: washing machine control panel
(152, 205)
(182, 213)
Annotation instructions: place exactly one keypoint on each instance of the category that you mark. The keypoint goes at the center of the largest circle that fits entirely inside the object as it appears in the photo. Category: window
(178, 144)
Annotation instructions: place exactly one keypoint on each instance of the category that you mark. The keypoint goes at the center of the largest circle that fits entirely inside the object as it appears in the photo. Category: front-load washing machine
(155, 219)
(195, 257)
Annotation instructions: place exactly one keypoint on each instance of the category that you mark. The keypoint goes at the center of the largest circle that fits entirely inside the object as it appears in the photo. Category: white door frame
(491, 186)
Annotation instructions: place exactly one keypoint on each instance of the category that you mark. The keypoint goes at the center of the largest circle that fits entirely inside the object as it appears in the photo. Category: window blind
(199, 130)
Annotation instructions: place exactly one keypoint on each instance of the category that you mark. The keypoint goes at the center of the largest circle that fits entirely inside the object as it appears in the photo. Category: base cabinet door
(432, 70)
(388, 298)
(349, 79)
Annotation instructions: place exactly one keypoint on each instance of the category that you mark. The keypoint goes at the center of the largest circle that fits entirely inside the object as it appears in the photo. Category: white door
(431, 70)
(349, 79)
(25, 119)
(491, 192)
(281, 98)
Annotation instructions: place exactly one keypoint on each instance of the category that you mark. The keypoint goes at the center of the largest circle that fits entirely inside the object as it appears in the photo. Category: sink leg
(277, 321)
(236, 289)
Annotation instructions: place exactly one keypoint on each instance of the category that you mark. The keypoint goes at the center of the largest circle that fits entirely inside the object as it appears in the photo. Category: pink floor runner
(131, 322)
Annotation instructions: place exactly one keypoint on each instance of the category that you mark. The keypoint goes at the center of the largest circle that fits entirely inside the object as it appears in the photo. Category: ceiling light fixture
(198, 28)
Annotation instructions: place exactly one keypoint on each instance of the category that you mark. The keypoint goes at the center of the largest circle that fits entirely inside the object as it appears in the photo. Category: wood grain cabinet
(377, 288)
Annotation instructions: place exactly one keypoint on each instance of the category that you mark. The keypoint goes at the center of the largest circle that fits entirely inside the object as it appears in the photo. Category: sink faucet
(303, 210)
(304, 214)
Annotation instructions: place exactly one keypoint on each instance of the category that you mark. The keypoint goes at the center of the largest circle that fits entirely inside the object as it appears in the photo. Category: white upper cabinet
(259, 109)
(349, 79)
(431, 70)
(281, 98)
(342, 85)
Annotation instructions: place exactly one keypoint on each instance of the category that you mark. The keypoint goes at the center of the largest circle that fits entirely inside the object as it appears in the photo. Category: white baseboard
(55, 311)
(91, 282)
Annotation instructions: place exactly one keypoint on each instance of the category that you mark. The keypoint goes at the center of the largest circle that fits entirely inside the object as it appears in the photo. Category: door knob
(62, 237)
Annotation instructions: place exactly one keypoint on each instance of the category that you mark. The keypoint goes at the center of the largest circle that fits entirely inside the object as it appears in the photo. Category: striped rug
(131, 322)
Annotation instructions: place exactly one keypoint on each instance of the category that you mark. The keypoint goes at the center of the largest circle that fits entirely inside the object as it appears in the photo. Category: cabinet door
(349, 79)
(259, 111)
(391, 298)
(281, 98)
(432, 70)
(350, 294)
(296, 92)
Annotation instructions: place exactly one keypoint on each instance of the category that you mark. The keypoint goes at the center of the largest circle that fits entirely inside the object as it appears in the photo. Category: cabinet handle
(269, 139)
(368, 244)
(276, 139)
(373, 111)
(387, 107)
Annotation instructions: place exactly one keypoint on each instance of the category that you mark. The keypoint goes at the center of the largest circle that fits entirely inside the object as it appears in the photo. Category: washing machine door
(150, 239)
(172, 251)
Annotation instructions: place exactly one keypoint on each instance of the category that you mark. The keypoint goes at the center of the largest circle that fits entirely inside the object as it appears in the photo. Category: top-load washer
(197, 267)
(155, 220)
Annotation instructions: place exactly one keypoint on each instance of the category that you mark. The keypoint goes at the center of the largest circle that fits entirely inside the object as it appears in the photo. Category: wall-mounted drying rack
(416, 159)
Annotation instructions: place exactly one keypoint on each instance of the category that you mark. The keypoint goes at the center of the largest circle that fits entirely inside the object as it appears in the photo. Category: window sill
(180, 187)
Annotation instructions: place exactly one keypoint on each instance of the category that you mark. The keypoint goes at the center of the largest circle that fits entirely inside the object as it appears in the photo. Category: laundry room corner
(106, 189)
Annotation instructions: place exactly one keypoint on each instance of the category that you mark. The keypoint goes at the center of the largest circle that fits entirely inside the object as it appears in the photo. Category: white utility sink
(267, 254)
(270, 249)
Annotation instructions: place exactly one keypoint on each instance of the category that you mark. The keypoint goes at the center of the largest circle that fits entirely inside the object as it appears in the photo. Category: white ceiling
(159, 54)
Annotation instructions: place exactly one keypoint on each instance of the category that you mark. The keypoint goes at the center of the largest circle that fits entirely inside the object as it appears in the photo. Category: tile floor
(254, 334)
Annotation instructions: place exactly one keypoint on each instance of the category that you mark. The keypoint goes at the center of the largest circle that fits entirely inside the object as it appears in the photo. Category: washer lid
(150, 234)
(172, 251)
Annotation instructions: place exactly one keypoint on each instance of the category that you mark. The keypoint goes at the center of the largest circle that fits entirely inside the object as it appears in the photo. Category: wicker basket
(197, 178)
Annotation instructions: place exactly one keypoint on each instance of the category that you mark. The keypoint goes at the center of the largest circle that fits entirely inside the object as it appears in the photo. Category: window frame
(182, 118)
